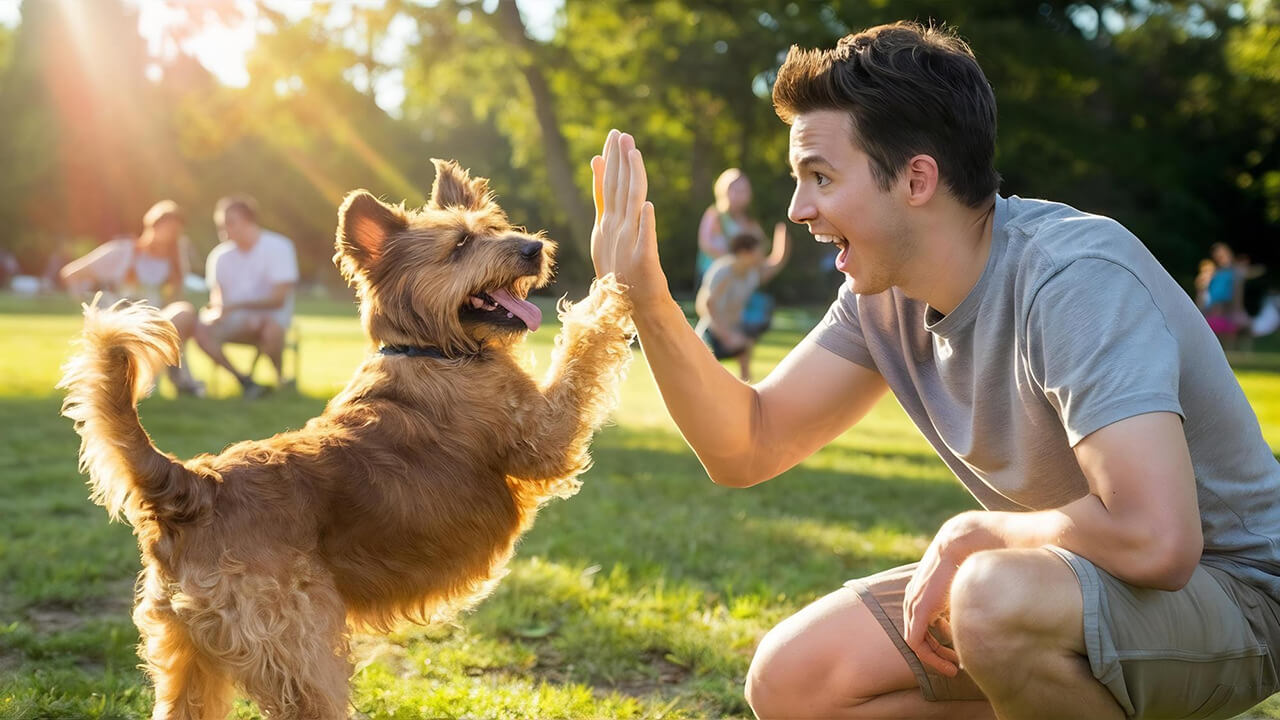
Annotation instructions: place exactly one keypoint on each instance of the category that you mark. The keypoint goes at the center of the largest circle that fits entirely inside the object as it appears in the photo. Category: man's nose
(801, 210)
(531, 248)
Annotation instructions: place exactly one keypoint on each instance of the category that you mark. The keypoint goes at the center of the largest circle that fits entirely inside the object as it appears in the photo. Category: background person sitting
(150, 267)
(251, 276)
(727, 290)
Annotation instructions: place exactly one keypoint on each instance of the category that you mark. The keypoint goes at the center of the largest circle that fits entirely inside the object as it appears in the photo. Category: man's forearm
(276, 301)
(714, 410)
(268, 304)
(1130, 549)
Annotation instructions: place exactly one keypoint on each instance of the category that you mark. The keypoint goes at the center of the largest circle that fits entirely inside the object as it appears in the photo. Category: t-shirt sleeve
(284, 266)
(840, 331)
(1100, 348)
(109, 262)
(211, 267)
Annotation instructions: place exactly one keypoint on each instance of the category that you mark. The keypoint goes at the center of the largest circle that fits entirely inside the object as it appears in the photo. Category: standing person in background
(251, 276)
(151, 266)
(1223, 301)
(724, 219)
(728, 286)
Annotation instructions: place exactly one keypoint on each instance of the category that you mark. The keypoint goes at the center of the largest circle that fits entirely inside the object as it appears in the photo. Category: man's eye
(821, 179)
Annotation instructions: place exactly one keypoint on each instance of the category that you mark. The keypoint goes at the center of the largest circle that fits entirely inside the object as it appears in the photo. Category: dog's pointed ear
(454, 187)
(364, 224)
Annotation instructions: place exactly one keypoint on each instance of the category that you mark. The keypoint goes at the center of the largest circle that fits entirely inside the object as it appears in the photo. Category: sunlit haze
(223, 49)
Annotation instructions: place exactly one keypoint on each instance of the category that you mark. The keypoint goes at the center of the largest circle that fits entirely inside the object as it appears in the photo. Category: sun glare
(169, 29)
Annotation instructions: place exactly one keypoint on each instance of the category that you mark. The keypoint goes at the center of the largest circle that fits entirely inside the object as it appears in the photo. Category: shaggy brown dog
(402, 501)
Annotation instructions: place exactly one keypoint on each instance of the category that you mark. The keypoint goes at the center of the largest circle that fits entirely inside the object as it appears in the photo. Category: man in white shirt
(251, 276)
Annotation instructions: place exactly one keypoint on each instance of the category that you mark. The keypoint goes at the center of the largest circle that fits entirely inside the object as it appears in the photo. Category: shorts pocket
(1221, 694)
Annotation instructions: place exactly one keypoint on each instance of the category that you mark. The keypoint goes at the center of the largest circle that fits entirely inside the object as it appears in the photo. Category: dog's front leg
(588, 364)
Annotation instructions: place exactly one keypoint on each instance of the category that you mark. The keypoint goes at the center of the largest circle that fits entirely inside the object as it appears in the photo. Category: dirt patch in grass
(660, 677)
(10, 661)
(52, 618)
(59, 616)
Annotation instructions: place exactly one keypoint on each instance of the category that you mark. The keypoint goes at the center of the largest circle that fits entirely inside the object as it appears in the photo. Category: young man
(727, 288)
(1126, 560)
(251, 276)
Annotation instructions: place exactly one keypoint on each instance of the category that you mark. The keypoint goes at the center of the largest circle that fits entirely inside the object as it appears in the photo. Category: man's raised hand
(624, 239)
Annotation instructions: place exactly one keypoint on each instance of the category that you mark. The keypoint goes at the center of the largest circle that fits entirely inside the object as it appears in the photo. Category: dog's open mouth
(501, 305)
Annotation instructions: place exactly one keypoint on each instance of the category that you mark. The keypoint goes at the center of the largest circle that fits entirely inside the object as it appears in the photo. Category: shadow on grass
(646, 502)
(647, 518)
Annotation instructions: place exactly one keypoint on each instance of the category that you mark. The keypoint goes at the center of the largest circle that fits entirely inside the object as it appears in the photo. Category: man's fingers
(942, 651)
(597, 185)
(647, 235)
(929, 656)
(639, 185)
(622, 186)
(610, 170)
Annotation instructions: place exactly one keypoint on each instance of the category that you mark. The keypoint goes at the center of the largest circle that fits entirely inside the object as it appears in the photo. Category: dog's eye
(466, 237)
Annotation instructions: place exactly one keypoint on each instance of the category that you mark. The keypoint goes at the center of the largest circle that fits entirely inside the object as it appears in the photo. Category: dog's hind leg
(590, 359)
(189, 686)
(298, 667)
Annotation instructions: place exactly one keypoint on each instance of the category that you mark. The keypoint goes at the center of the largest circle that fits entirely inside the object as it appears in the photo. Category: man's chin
(864, 287)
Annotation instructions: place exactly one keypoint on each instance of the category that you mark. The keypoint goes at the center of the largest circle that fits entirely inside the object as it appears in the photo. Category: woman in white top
(153, 267)
(727, 217)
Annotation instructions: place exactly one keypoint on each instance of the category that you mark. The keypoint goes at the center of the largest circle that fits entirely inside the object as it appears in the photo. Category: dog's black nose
(531, 248)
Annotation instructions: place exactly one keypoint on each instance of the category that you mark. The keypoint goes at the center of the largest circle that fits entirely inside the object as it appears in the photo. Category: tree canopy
(1161, 114)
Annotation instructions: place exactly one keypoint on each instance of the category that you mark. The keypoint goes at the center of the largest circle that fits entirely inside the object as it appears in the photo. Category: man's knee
(801, 671)
(778, 676)
(183, 316)
(997, 604)
(271, 332)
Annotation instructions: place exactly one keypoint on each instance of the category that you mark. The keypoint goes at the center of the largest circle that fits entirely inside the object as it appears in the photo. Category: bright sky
(223, 50)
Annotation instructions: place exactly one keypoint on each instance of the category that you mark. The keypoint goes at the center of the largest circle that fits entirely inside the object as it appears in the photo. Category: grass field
(643, 596)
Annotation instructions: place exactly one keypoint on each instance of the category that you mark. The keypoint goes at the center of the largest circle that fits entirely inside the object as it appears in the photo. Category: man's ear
(922, 179)
(454, 187)
(364, 224)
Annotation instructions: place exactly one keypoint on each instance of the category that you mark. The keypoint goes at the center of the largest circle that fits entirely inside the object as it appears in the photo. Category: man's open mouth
(501, 306)
(836, 240)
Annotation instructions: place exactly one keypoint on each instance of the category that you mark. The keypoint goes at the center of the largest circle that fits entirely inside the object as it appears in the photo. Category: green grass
(643, 596)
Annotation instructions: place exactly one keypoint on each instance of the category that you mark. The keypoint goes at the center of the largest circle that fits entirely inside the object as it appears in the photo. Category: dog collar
(413, 351)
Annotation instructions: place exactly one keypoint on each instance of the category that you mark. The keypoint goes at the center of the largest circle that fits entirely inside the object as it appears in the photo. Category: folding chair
(291, 370)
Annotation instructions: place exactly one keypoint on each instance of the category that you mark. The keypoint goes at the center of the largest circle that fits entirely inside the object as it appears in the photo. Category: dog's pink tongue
(523, 309)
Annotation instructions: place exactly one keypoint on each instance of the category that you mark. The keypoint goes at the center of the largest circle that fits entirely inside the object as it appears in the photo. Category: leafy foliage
(1162, 114)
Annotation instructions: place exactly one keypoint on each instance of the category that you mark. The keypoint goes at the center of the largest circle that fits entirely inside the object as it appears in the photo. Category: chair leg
(297, 354)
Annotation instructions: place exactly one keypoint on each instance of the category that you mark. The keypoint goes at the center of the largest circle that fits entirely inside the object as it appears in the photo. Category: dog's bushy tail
(115, 363)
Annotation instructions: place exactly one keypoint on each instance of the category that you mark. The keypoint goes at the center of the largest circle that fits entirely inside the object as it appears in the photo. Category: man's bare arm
(1140, 522)
(742, 434)
(279, 293)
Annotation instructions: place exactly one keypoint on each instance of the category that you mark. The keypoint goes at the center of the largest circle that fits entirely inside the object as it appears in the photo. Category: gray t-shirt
(1072, 326)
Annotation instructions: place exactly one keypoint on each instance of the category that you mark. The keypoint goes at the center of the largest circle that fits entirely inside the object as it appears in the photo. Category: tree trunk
(556, 149)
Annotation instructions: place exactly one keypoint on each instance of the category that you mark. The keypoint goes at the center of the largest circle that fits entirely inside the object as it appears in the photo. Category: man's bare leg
(183, 317)
(744, 362)
(833, 660)
(271, 342)
(211, 347)
(1017, 621)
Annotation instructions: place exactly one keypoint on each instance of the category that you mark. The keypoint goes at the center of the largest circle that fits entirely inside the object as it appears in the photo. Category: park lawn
(643, 596)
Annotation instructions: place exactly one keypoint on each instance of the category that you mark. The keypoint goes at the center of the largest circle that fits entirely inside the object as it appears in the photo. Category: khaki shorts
(237, 326)
(1205, 651)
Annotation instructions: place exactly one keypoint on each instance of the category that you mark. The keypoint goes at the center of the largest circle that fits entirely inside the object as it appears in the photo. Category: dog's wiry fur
(403, 500)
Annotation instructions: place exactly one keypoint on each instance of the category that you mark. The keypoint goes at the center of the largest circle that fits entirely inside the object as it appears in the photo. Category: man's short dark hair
(908, 89)
(744, 242)
(243, 205)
